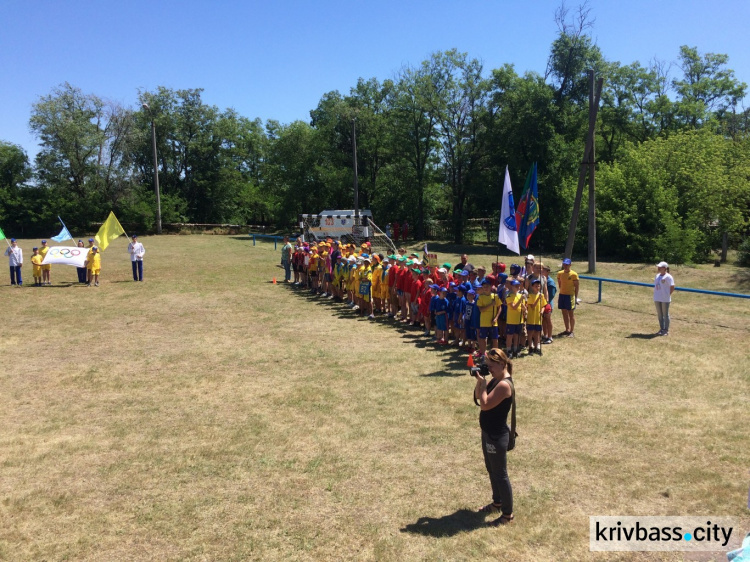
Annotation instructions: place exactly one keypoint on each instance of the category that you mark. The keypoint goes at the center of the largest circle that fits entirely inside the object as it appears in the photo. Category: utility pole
(585, 162)
(356, 181)
(156, 168)
(592, 183)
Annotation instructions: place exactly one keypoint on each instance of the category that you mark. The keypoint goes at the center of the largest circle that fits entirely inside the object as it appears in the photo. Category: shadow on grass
(448, 525)
(742, 278)
(642, 336)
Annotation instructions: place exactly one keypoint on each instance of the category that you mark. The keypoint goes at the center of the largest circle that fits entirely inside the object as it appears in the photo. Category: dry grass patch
(208, 414)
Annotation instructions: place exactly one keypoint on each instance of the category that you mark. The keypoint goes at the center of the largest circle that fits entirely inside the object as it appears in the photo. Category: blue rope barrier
(602, 280)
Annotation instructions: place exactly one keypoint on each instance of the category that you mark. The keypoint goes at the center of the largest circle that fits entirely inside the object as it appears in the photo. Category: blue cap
(44, 241)
(536, 280)
(515, 282)
(471, 292)
(91, 239)
(435, 286)
(477, 284)
(566, 261)
(502, 278)
(485, 281)
(134, 236)
(443, 289)
(12, 239)
(34, 248)
(463, 273)
(461, 288)
(451, 284)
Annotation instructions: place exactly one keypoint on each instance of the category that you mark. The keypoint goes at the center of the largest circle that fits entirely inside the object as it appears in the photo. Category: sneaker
(371, 317)
(571, 335)
(547, 340)
(565, 333)
(665, 333)
(96, 284)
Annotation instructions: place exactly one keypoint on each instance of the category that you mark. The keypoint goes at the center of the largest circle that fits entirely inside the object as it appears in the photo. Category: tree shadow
(741, 278)
(460, 521)
(642, 336)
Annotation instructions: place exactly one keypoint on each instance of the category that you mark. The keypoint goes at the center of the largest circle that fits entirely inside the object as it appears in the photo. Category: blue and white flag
(508, 233)
(64, 234)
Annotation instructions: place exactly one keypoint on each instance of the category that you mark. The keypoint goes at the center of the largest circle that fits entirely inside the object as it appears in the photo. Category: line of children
(463, 307)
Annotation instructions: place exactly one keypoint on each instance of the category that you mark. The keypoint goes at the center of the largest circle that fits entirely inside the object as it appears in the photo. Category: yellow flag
(110, 230)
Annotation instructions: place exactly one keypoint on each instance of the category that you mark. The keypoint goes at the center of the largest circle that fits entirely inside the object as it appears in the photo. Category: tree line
(672, 142)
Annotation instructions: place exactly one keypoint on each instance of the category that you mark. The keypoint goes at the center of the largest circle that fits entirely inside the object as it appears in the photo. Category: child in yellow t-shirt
(36, 261)
(515, 303)
(94, 265)
(534, 307)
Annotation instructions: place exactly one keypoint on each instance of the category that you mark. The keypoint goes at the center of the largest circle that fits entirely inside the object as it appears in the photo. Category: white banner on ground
(66, 255)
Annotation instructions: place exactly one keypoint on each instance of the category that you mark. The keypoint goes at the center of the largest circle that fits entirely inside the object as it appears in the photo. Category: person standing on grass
(663, 289)
(46, 268)
(567, 281)
(15, 261)
(36, 263)
(94, 265)
(494, 400)
(89, 261)
(286, 259)
(136, 251)
(551, 289)
(81, 270)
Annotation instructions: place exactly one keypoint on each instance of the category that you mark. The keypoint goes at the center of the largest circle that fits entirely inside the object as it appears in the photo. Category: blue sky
(275, 59)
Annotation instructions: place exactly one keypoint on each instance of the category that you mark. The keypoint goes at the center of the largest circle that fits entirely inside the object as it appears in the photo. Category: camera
(482, 370)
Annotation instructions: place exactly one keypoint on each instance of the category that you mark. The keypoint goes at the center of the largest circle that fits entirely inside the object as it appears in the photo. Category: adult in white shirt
(136, 251)
(663, 289)
(15, 260)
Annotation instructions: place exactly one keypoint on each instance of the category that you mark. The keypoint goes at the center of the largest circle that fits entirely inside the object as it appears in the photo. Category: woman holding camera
(495, 399)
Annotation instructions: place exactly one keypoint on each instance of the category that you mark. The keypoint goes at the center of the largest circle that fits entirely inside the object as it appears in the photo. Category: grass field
(209, 414)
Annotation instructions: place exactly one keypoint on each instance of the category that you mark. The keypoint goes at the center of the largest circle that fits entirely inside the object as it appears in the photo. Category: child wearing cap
(384, 289)
(535, 305)
(515, 319)
(36, 261)
(46, 268)
(459, 309)
(424, 305)
(392, 282)
(94, 265)
(365, 288)
(441, 320)
(551, 289)
(489, 311)
(414, 292)
(471, 319)
(567, 280)
(89, 262)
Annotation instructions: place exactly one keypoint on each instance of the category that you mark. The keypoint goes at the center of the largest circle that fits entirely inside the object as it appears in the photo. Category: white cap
(662, 264)
(530, 258)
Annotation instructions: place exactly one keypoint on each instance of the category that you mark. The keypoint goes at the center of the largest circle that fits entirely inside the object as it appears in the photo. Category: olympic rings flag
(66, 255)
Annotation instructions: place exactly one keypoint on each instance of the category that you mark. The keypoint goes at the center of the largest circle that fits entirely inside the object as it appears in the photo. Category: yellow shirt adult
(534, 306)
(515, 315)
(566, 282)
(487, 317)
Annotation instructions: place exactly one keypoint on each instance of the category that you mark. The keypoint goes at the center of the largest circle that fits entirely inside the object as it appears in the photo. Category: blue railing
(276, 239)
(639, 284)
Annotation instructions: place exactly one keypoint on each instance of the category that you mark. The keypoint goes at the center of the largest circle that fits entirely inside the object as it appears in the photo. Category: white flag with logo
(508, 233)
(66, 255)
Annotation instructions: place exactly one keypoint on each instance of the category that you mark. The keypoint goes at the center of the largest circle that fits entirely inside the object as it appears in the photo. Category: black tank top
(495, 421)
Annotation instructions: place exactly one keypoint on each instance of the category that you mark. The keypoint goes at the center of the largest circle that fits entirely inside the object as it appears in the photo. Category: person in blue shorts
(471, 317)
(547, 314)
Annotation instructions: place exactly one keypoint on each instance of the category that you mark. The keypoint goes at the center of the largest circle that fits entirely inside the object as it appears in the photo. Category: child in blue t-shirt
(441, 316)
(459, 309)
(471, 318)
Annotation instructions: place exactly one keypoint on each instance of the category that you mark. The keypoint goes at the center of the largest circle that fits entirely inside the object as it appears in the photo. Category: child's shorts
(46, 267)
(37, 271)
(440, 323)
(491, 333)
(328, 277)
(471, 333)
(96, 271)
(534, 327)
(566, 302)
(313, 273)
(512, 329)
